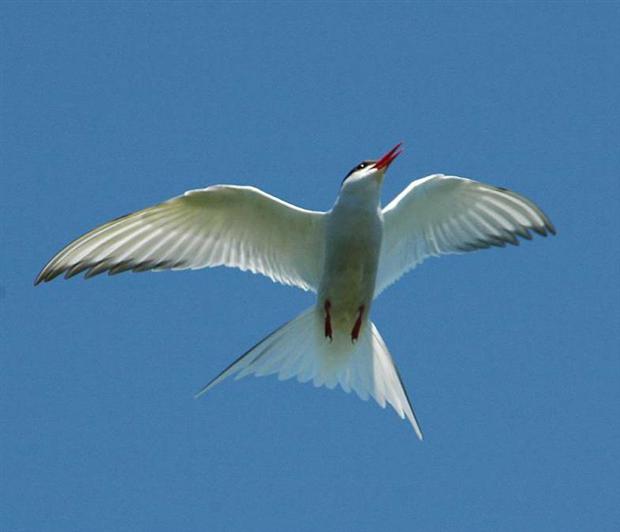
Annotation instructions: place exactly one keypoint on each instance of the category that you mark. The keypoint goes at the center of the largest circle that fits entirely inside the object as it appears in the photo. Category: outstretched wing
(441, 214)
(221, 225)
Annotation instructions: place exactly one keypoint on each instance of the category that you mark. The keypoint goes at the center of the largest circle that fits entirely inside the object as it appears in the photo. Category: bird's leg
(328, 320)
(358, 324)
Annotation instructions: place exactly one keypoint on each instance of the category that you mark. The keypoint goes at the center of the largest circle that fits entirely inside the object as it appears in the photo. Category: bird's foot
(355, 333)
(328, 320)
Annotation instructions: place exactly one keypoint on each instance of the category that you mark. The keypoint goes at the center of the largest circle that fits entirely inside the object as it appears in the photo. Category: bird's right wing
(440, 214)
(222, 225)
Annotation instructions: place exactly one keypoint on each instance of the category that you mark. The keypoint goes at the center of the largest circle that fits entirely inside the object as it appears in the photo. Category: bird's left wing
(222, 225)
(442, 214)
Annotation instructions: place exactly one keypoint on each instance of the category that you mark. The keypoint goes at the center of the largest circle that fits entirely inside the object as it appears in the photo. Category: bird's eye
(360, 166)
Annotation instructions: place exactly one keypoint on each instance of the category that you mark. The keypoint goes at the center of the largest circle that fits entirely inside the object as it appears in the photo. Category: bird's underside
(334, 343)
(343, 323)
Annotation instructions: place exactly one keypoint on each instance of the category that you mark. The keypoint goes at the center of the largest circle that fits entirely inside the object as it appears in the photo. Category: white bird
(347, 255)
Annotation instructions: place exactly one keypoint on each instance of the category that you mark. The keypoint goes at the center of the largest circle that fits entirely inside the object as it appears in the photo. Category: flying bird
(347, 256)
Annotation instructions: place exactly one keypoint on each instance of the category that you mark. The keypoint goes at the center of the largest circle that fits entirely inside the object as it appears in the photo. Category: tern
(347, 256)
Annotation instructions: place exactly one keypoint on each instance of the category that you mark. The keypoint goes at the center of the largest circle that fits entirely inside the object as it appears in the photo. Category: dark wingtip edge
(40, 278)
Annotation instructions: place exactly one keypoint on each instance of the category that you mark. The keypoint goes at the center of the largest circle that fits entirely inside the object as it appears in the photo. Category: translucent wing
(441, 214)
(221, 225)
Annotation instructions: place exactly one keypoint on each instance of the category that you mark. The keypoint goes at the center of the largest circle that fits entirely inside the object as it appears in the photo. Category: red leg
(355, 333)
(328, 320)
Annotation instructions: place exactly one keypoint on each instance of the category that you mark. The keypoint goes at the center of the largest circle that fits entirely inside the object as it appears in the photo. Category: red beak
(389, 157)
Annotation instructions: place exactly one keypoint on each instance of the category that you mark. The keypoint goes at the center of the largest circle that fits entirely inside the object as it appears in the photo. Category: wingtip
(40, 278)
(43, 277)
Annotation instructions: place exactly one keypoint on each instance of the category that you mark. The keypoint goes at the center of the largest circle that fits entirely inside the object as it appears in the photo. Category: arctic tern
(347, 255)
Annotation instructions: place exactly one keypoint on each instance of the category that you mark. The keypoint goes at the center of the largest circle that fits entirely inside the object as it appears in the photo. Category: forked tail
(300, 349)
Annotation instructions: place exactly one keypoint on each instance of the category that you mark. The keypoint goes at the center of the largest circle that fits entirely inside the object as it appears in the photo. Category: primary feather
(439, 214)
(222, 225)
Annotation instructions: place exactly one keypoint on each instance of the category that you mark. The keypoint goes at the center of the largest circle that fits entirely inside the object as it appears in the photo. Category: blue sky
(511, 356)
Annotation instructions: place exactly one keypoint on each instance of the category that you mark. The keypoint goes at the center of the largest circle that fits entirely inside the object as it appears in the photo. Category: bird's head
(370, 173)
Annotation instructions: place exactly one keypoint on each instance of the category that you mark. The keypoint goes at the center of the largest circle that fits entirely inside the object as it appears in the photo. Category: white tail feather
(300, 349)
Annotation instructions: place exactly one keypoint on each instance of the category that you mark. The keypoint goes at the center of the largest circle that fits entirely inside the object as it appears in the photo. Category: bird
(348, 256)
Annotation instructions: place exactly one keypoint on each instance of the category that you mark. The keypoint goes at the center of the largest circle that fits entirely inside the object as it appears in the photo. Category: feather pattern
(222, 225)
(299, 349)
(439, 214)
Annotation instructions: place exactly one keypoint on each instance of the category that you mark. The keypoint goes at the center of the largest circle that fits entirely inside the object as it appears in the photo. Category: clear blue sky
(511, 356)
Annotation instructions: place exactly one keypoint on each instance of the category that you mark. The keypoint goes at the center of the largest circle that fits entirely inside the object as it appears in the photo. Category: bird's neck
(366, 196)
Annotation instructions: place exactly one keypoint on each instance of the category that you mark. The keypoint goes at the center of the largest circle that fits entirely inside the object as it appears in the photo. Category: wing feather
(439, 215)
(222, 225)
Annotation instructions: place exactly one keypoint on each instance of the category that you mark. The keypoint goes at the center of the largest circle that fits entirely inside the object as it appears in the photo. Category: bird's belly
(349, 286)
(353, 241)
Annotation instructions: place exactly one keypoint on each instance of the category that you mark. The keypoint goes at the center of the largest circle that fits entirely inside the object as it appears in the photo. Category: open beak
(388, 158)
